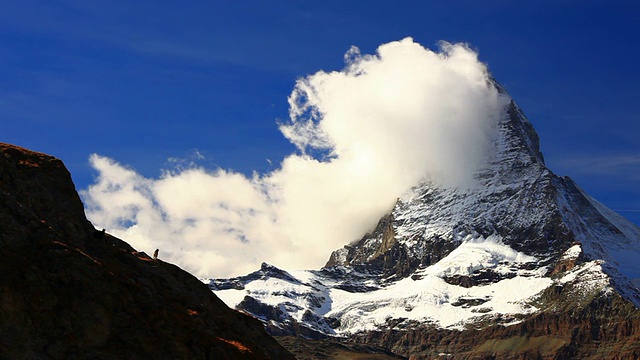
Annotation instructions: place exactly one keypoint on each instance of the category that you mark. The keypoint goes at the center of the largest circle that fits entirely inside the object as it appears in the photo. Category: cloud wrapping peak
(366, 134)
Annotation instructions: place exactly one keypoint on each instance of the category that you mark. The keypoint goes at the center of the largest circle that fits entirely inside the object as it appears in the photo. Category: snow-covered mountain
(524, 242)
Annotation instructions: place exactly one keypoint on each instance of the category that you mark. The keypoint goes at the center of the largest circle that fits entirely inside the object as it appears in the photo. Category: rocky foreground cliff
(68, 291)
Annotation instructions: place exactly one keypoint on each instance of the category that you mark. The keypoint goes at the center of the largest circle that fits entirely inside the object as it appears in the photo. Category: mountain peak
(524, 249)
(39, 199)
(526, 131)
(429, 221)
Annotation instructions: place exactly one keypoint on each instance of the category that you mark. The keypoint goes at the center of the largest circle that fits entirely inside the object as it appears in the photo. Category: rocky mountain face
(524, 265)
(68, 291)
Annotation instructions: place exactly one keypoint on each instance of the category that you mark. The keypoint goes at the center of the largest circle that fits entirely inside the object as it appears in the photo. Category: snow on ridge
(604, 236)
(476, 254)
(426, 298)
(625, 252)
(572, 253)
(515, 172)
(590, 274)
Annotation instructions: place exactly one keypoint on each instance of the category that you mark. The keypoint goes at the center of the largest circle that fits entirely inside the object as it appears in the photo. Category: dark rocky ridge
(330, 349)
(65, 294)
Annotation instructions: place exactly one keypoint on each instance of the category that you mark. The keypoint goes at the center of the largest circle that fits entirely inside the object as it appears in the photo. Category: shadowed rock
(65, 294)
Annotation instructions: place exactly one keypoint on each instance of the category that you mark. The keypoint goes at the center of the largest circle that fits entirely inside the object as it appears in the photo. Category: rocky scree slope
(66, 293)
(525, 265)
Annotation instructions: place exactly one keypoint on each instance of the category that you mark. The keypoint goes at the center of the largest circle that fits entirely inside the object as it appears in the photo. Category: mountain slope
(524, 257)
(69, 292)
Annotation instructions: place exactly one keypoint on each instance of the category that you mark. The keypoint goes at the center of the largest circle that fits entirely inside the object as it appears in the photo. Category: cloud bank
(365, 135)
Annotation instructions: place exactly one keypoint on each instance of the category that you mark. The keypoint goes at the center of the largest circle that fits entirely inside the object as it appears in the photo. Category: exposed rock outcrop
(604, 328)
(330, 349)
(65, 294)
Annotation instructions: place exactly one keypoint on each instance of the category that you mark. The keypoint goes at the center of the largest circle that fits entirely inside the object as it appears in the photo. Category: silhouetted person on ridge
(98, 234)
(155, 254)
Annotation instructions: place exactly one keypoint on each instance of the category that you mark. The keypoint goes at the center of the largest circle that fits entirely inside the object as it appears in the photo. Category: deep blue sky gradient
(145, 81)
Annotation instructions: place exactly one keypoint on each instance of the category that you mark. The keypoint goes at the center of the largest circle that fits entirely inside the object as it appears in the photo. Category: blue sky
(142, 82)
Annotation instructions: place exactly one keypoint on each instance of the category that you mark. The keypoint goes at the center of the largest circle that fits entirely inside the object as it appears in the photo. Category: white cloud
(382, 124)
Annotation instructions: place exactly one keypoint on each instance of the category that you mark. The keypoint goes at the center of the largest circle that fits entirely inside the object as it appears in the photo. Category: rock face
(69, 292)
(606, 328)
(330, 349)
(525, 265)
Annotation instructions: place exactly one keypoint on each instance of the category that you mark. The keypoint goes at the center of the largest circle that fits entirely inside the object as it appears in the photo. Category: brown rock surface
(65, 294)
(332, 349)
(605, 328)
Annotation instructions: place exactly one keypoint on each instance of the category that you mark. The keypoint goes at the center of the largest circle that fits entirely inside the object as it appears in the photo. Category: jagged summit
(523, 248)
(520, 201)
(428, 222)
